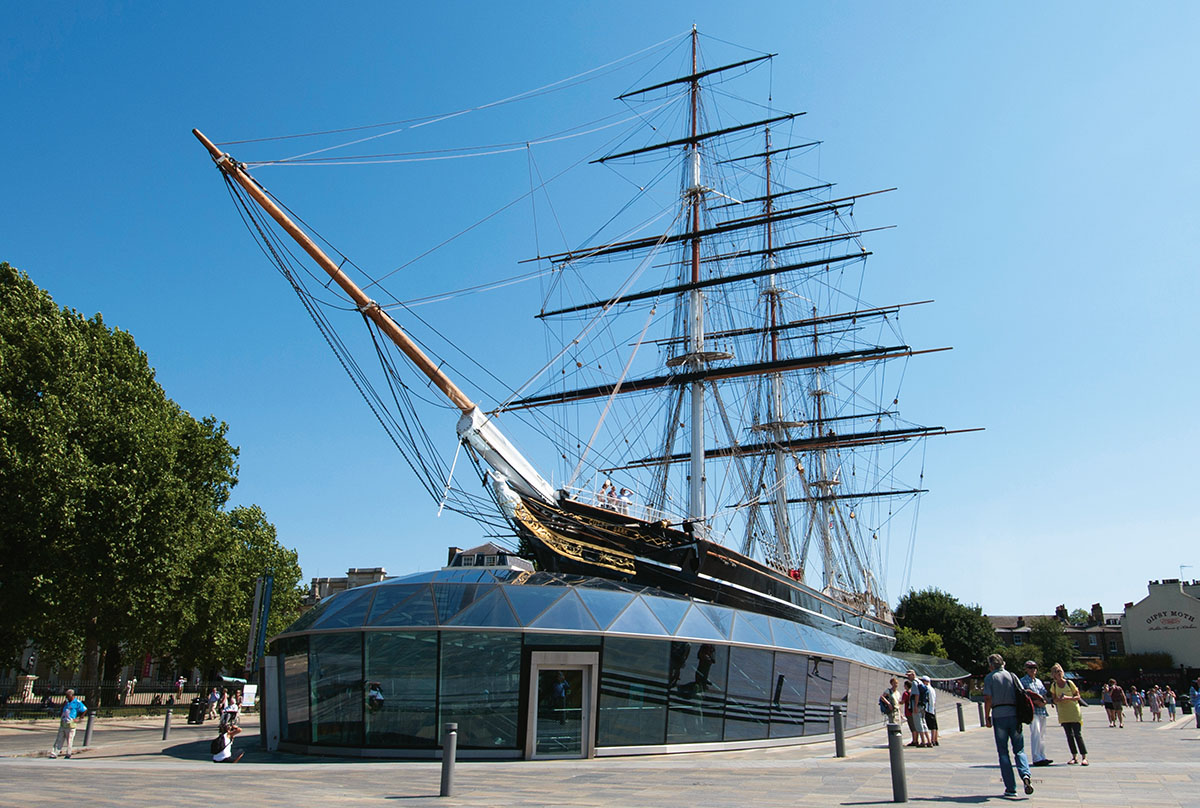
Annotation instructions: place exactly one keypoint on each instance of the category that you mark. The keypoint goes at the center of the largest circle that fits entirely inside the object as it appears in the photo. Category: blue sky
(1045, 160)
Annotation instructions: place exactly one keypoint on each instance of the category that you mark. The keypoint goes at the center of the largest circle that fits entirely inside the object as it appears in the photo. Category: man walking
(66, 726)
(1000, 689)
(1037, 727)
(929, 700)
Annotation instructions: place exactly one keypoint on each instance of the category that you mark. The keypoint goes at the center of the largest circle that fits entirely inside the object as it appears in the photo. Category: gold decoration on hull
(573, 548)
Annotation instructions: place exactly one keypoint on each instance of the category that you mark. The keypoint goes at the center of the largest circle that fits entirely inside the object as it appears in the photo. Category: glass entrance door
(562, 703)
(560, 726)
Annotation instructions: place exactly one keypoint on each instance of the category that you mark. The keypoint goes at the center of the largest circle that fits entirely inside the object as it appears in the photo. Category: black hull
(581, 539)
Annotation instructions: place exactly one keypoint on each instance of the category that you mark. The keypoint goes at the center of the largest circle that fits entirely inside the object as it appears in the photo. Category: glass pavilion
(547, 665)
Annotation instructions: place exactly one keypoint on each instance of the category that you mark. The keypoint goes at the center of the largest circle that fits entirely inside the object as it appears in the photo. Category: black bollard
(167, 726)
(449, 752)
(896, 759)
(87, 732)
(839, 733)
(982, 720)
(962, 725)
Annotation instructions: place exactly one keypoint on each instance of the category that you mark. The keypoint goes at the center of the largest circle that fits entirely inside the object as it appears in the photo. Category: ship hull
(576, 538)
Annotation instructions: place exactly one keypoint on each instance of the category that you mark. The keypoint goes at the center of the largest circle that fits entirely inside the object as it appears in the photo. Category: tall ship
(719, 409)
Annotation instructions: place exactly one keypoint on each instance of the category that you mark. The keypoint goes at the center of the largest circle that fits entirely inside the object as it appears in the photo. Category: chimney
(1060, 612)
(453, 551)
(1020, 622)
(1097, 614)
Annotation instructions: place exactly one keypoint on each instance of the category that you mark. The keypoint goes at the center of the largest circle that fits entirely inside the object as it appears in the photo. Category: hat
(1029, 663)
(926, 679)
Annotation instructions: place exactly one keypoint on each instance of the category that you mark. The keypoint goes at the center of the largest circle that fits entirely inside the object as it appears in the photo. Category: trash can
(1185, 704)
(196, 711)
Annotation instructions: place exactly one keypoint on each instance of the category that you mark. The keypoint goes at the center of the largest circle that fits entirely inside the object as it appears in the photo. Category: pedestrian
(1070, 716)
(1154, 699)
(890, 700)
(179, 683)
(1106, 700)
(929, 702)
(1194, 695)
(906, 701)
(222, 745)
(1000, 690)
(229, 715)
(1117, 694)
(1169, 698)
(71, 710)
(1136, 699)
(918, 699)
(213, 699)
(1037, 727)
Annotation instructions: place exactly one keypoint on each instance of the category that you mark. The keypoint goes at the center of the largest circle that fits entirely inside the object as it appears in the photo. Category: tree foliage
(1048, 635)
(112, 528)
(966, 633)
(1079, 617)
(911, 641)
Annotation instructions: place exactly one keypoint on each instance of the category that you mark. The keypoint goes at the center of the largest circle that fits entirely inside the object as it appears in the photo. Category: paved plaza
(128, 763)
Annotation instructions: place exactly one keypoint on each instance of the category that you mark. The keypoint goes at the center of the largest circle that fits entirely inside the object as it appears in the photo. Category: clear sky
(1045, 156)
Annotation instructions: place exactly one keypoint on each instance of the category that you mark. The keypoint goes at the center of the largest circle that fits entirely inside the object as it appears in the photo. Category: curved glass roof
(513, 599)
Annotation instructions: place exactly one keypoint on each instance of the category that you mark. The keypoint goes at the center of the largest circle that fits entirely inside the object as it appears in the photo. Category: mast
(695, 192)
(506, 462)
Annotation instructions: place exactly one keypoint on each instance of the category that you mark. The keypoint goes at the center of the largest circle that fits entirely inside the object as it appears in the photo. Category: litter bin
(196, 711)
(1185, 704)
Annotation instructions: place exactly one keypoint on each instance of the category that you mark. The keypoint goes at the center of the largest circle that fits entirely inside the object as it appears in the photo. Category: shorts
(920, 719)
(931, 721)
(911, 718)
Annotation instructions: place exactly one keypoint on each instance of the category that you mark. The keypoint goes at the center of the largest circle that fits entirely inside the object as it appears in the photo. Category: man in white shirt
(1037, 727)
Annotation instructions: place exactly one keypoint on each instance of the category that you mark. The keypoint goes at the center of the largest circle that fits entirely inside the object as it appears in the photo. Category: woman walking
(1169, 698)
(1154, 698)
(1070, 717)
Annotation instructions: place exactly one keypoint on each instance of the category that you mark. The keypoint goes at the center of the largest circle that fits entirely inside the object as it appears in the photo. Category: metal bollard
(962, 725)
(839, 733)
(982, 720)
(87, 732)
(449, 751)
(167, 726)
(896, 759)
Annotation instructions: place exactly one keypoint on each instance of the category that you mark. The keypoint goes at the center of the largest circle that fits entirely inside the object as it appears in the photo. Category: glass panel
(538, 639)
(668, 610)
(480, 687)
(820, 690)
(491, 611)
(840, 697)
(638, 619)
(308, 618)
(559, 712)
(335, 676)
(568, 613)
(604, 604)
(787, 697)
(633, 692)
(697, 698)
(387, 598)
(293, 672)
(720, 617)
(453, 598)
(530, 601)
(697, 626)
(786, 634)
(745, 631)
(346, 610)
(417, 610)
(401, 689)
(748, 705)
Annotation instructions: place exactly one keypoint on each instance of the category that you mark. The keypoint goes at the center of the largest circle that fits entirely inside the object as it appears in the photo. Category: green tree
(113, 494)
(1015, 657)
(1079, 617)
(967, 634)
(911, 641)
(1048, 635)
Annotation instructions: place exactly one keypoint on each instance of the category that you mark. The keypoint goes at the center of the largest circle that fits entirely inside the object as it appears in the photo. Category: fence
(106, 698)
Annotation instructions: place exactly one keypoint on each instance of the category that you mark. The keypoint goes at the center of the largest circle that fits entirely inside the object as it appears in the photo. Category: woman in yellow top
(1070, 717)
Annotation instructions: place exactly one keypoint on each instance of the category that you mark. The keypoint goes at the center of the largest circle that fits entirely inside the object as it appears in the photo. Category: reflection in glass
(335, 677)
(293, 674)
(820, 691)
(788, 695)
(748, 706)
(633, 698)
(560, 713)
(401, 689)
(697, 693)
(480, 687)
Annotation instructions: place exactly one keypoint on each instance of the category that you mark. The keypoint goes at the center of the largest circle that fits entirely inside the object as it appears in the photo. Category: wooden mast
(366, 305)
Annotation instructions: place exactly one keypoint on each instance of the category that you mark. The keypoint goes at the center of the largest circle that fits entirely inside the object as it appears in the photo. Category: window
(1075, 643)
(1092, 639)
(468, 561)
(490, 561)
(1112, 646)
(1018, 639)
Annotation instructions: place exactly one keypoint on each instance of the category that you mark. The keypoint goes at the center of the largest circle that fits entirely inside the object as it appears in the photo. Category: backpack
(885, 704)
(1024, 704)
(218, 743)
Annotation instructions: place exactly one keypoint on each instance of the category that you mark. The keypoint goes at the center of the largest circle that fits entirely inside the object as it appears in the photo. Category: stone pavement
(129, 764)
